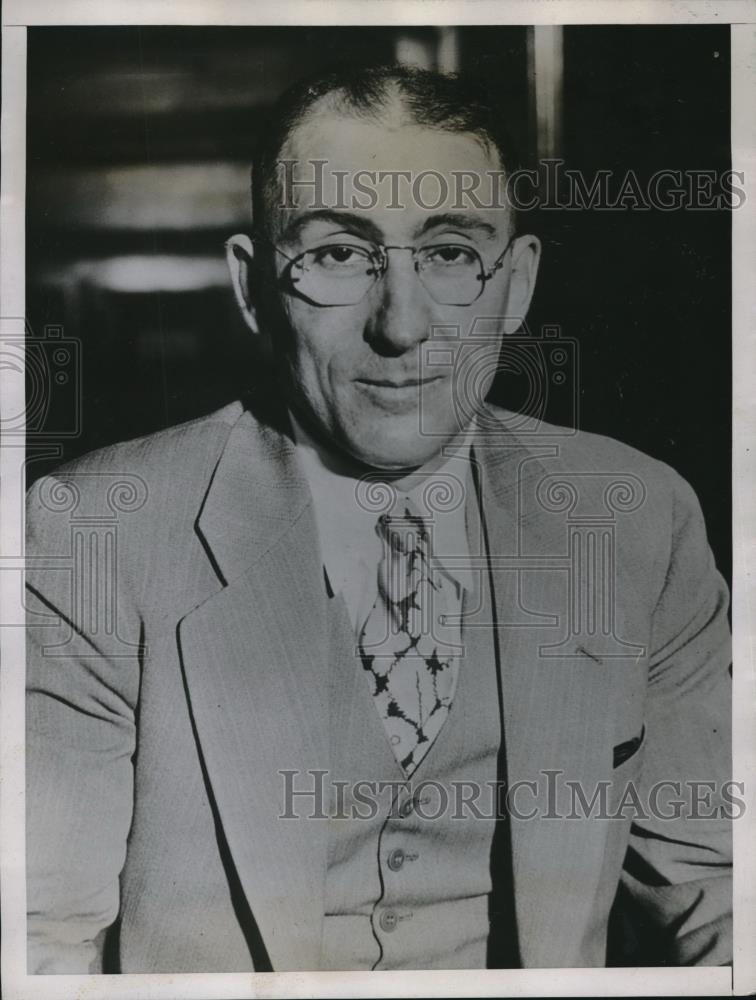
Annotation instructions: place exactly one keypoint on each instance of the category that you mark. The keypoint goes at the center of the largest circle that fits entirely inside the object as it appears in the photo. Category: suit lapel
(556, 708)
(254, 657)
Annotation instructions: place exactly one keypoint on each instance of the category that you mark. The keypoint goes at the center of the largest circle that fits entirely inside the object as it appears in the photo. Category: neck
(341, 463)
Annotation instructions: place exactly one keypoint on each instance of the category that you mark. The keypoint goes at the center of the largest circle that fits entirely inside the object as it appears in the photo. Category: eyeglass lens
(342, 274)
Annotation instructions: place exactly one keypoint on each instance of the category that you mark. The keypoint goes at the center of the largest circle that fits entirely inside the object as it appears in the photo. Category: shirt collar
(347, 530)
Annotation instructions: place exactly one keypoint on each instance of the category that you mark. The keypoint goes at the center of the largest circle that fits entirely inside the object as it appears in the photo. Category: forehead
(392, 171)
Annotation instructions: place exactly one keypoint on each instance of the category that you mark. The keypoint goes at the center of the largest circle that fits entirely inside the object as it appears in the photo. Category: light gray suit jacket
(177, 640)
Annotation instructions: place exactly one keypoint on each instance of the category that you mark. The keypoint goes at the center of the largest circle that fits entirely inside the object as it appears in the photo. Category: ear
(239, 255)
(526, 254)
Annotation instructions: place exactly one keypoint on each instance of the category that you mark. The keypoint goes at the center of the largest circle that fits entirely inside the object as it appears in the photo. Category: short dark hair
(449, 102)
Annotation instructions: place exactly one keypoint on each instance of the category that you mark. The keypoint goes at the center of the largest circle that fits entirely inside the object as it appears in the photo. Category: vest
(409, 862)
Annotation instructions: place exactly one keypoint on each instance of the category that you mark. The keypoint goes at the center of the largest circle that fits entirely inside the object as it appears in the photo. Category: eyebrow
(458, 220)
(357, 223)
(364, 227)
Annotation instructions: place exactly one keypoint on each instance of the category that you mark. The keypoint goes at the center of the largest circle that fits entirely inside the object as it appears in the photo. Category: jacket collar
(256, 493)
(258, 489)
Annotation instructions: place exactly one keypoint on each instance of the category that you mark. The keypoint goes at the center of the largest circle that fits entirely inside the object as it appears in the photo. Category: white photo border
(703, 981)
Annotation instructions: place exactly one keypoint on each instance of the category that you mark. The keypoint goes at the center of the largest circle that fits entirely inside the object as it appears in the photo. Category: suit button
(388, 921)
(406, 808)
(396, 859)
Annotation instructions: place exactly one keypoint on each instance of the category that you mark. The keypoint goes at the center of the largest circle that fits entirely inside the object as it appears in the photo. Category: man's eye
(339, 256)
(449, 255)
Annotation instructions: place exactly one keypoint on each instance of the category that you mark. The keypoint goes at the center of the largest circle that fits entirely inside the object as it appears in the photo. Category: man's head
(384, 237)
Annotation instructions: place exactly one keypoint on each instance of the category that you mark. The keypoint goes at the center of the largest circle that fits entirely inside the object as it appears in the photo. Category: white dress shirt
(350, 546)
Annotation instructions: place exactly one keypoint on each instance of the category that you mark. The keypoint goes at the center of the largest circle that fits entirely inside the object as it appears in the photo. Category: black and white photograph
(371, 409)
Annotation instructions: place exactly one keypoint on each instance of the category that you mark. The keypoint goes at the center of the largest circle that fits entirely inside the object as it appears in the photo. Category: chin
(395, 452)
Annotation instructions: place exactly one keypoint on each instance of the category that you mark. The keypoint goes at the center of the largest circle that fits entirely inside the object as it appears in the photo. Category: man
(275, 701)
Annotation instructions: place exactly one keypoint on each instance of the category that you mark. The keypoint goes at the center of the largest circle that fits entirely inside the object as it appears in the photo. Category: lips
(404, 383)
(399, 396)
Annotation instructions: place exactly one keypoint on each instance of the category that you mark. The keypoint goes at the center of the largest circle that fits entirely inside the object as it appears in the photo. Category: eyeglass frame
(486, 274)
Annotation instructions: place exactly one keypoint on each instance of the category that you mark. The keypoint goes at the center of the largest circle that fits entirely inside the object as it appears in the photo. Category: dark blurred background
(139, 142)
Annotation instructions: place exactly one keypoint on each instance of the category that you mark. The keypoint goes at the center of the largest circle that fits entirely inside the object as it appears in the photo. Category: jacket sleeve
(82, 687)
(677, 871)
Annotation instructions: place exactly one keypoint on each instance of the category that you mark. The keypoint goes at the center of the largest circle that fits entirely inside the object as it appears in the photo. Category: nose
(402, 316)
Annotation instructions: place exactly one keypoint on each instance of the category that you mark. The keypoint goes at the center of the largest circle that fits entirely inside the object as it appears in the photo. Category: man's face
(372, 377)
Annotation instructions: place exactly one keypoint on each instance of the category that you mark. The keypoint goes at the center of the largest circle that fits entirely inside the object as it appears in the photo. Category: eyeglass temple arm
(499, 262)
(257, 238)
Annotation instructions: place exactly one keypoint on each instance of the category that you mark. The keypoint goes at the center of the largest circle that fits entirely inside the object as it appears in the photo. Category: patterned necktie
(413, 674)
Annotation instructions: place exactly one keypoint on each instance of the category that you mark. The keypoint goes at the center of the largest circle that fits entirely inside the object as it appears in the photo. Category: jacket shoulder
(178, 443)
(143, 497)
(157, 476)
(582, 451)
(644, 490)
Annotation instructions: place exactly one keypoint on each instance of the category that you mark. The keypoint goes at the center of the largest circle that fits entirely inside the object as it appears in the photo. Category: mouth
(399, 396)
(405, 383)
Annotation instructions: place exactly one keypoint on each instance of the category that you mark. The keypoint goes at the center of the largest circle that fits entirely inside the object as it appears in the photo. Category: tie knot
(405, 529)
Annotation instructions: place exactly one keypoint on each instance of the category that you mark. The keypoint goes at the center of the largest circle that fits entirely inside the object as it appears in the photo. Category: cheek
(325, 346)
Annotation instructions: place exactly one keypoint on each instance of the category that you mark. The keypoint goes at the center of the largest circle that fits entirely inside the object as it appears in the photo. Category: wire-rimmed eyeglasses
(341, 273)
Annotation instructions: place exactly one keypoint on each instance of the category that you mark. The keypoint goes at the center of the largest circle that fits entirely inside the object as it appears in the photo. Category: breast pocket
(628, 749)
(626, 800)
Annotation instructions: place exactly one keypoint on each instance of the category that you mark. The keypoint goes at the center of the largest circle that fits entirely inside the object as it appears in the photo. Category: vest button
(396, 859)
(406, 808)
(388, 921)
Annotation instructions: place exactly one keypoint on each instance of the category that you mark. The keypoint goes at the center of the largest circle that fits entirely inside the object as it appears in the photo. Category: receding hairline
(394, 110)
(450, 104)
